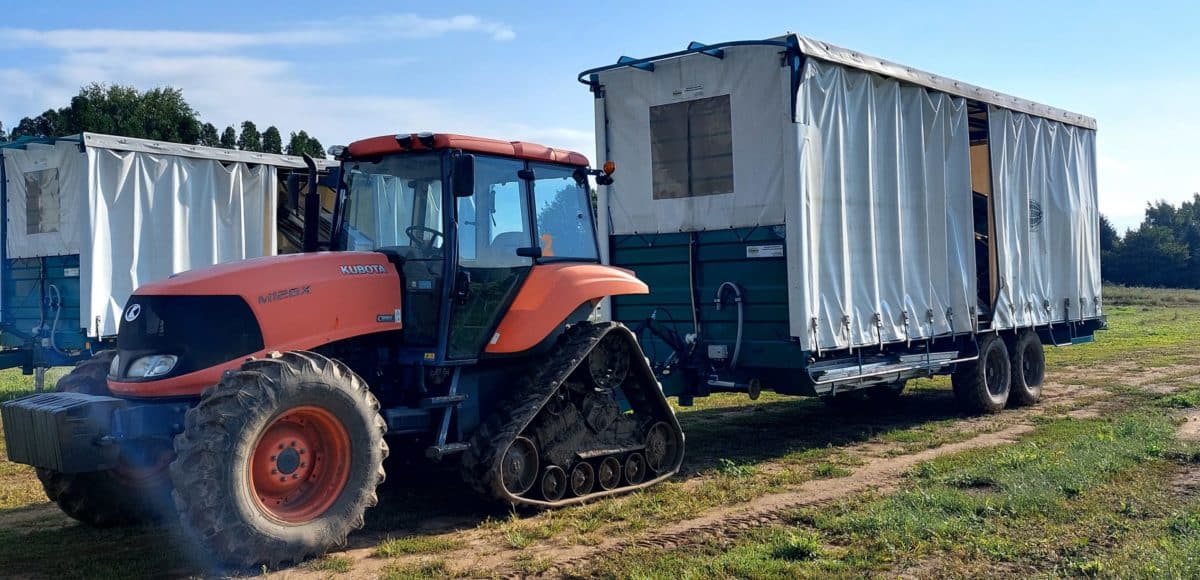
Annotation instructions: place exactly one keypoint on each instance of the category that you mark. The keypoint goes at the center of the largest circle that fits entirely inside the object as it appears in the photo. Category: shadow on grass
(419, 498)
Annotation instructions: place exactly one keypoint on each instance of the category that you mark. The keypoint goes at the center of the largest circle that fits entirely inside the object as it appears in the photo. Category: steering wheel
(419, 240)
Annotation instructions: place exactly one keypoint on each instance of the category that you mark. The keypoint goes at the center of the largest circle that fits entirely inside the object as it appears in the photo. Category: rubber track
(481, 462)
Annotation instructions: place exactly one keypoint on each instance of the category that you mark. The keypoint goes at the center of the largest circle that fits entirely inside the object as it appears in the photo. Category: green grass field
(1102, 494)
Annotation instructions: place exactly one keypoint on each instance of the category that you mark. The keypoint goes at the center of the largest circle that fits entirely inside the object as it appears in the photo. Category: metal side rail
(849, 370)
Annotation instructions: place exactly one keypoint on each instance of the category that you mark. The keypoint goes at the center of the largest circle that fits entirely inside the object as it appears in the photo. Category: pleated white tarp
(1047, 219)
(879, 233)
(150, 216)
(759, 93)
(45, 183)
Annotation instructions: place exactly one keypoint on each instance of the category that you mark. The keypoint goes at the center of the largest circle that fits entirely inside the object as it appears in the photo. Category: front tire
(128, 495)
(982, 385)
(280, 460)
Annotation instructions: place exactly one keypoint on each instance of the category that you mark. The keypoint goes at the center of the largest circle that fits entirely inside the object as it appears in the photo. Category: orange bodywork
(388, 144)
(301, 301)
(550, 294)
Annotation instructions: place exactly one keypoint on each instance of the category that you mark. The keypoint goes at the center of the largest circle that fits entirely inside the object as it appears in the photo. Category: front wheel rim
(300, 464)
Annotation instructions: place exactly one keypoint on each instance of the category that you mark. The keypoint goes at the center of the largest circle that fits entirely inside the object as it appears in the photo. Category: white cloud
(337, 31)
(226, 85)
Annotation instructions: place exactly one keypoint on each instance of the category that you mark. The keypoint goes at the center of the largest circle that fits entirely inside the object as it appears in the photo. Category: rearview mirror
(463, 176)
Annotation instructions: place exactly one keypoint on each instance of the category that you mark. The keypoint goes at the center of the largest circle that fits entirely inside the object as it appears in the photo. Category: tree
(161, 114)
(250, 139)
(3, 135)
(300, 143)
(209, 136)
(1110, 242)
(1151, 256)
(229, 138)
(47, 124)
(1109, 238)
(272, 141)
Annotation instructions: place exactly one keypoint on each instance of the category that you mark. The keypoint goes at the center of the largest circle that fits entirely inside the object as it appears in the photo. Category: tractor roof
(404, 142)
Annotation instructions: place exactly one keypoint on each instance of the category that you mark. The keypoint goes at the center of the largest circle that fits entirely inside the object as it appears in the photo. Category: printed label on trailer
(689, 92)
(767, 251)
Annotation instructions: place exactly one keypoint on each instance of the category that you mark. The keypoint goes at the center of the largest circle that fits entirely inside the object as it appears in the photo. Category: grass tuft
(416, 545)
(337, 564)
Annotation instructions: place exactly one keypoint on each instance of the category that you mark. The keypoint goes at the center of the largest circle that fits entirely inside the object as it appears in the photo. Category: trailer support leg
(39, 379)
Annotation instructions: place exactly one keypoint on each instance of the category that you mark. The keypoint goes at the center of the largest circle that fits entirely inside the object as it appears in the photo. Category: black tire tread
(1021, 394)
(970, 384)
(209, 434)
(481, 461)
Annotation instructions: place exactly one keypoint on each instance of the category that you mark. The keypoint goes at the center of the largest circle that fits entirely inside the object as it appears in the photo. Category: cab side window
(563, 214)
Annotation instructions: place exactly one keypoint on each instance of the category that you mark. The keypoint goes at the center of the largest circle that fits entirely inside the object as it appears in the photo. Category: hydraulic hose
(56, 302)
(737, 298)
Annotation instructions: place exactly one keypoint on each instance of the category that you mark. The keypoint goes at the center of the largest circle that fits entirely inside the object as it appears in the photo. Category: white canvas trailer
(881, 204)
(89, 218)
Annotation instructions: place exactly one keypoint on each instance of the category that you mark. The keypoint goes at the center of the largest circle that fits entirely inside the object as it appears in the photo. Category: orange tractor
(253, 400)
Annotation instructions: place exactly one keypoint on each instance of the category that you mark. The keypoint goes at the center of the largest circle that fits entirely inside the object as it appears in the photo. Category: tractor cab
(464, 220)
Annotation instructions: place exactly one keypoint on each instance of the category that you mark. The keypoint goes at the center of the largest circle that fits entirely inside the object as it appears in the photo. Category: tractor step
(437, 452)
(442, 401)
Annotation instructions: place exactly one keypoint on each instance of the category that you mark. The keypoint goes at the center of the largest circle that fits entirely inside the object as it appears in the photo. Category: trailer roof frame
(806, 47)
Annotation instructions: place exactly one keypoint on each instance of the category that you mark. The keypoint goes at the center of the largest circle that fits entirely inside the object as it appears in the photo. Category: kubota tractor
(254, 399)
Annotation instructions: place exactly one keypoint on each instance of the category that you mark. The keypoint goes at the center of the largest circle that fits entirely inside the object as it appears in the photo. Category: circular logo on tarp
(133, 312)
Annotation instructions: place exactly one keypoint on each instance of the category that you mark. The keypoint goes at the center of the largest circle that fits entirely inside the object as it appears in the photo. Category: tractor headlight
(152, 366)
(115, 367)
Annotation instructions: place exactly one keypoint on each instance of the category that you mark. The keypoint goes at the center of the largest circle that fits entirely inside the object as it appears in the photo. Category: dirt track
(883, 465)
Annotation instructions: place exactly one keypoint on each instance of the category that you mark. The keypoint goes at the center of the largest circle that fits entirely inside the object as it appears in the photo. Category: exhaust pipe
(312, 208)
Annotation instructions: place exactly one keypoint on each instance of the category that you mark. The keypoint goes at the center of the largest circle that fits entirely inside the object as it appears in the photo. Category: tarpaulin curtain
(62, 168)
(1044, 177)
(882, 223)
(759, 97)
(151, 216)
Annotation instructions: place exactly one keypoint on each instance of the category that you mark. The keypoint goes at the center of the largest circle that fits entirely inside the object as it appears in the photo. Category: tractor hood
(211, 319)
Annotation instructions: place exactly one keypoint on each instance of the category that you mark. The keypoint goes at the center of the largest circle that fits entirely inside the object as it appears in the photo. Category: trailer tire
(299, 416)
(983, 385)
(1028, 362)
(117, 497)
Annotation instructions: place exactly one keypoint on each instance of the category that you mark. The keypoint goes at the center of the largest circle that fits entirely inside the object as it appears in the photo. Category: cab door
(493, 224)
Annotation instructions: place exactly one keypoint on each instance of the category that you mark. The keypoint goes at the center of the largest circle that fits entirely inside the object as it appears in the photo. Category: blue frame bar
(704, 49)
(587, 77)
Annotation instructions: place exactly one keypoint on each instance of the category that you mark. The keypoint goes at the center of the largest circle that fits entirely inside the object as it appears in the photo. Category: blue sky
(346, 70)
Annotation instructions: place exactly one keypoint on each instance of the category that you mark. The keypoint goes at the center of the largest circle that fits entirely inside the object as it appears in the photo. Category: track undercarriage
(592, 421)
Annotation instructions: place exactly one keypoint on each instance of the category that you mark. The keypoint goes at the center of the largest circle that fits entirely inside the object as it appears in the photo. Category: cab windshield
(395, 203)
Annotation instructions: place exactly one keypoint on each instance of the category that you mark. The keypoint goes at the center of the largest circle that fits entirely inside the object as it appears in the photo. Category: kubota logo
(362, 269)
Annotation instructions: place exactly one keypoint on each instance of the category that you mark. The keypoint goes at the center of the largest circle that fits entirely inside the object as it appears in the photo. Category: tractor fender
(551, 292)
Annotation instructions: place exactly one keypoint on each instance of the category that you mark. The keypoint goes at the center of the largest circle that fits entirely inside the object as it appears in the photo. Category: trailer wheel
(1028, 369)
(280, 460)
(983, 385)
(125, 496)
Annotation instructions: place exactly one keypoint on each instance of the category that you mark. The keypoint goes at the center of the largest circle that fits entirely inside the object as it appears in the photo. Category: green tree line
(1163, 251)
(161, 114)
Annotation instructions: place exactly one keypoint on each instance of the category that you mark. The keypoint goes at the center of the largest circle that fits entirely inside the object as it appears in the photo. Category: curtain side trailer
(815, 221)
